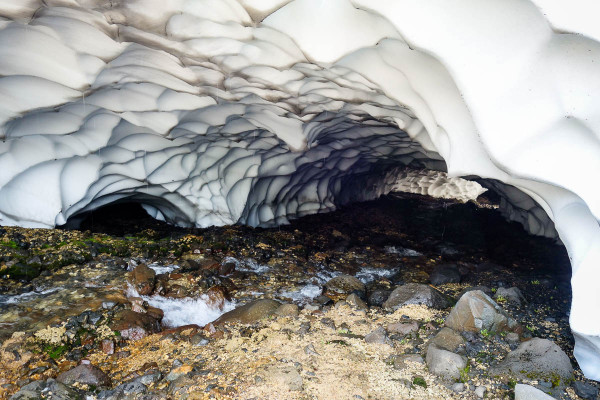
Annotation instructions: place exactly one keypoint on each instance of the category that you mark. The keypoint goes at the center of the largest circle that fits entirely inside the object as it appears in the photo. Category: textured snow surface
(437, 184)
(256, 111)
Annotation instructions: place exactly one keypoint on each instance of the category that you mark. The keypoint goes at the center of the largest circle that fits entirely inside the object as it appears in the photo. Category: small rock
(249, 313)
(458, 387)
(513, 295)
(310, 350)
(402, 361)
(512, 338)
(288, 310)
(480, 391)
(108, 346)
(526, 392)
(178, 372)
(537, 358)
(355, 301)
(199, 340)
(86, 374)
(344, 285)
(377, 336)
(585, 390)
(416, 293)
(403, 328)
(217, 296)
(476, 311)
(484, 289)
(444, 273)
(143, 279)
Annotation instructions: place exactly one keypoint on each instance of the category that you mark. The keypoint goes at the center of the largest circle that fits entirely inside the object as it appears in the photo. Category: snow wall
(212, 112)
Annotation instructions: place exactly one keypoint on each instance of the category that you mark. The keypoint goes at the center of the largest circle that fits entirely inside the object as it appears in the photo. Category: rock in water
(416, 293)
(475, 311)
(249, 313)
(85, 374)
(134, 326)
(143, 279)
(539, 359)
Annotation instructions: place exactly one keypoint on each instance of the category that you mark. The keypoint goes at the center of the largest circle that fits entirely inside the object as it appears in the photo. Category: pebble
(458, 387)
(480, 391)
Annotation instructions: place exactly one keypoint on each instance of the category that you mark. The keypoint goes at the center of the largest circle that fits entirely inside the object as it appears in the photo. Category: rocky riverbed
(406, 297)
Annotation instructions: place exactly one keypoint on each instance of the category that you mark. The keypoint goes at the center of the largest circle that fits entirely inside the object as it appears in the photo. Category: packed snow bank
(257, 111)
(437, 184)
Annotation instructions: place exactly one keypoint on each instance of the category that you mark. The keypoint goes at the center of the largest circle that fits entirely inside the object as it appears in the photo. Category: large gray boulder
(539, 359)
(475, 311)
(416, 293)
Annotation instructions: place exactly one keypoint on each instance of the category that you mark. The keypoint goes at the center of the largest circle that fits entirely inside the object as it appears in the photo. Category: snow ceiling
(212, 112)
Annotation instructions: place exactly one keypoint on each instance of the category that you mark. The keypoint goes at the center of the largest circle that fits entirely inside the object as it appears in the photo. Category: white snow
(215, 112)
(437, 184)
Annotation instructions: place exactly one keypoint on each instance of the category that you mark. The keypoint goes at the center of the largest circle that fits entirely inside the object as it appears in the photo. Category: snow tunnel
(259, 111)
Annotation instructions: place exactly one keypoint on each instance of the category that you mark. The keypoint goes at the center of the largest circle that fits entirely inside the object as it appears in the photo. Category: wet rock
(377, 336)
(134, 326)
(85, 374)
(323, 300)
(513, 295)
(378, 297)
(444, 273)
(444, 363)
(143, 279)
(416, 293)
(40, 389)
(403, 328)
(218, 296)
(475, 311)
(249, 313)
(539, 359)
(526, 392)
(288, 310)
(344, 285)
(355, 301)
(585, 390)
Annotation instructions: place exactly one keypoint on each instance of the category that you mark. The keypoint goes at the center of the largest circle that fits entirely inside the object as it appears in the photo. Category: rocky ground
(403, 298)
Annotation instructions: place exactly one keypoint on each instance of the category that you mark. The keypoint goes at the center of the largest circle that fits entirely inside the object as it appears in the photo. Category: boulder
(539, 359)
(476, 311)
(249, 313)
(84, 374)
(526, 392)
(143, 279)
(444, 273)
(345, 285)
(416, 293)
